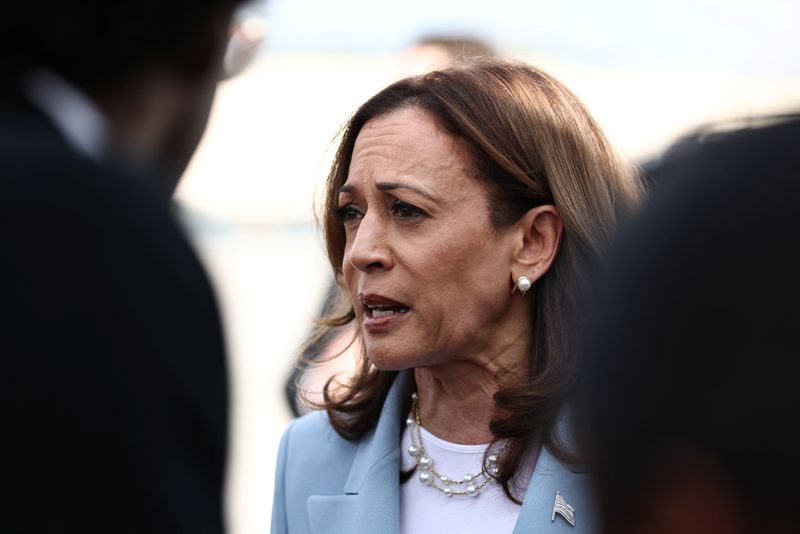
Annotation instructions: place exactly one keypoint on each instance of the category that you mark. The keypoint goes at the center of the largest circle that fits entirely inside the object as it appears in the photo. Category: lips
(380, 311)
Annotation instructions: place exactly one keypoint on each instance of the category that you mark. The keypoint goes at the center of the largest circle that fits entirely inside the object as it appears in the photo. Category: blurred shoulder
(41, 172)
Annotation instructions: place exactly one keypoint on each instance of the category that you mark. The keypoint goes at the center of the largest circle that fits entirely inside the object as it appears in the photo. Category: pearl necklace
(470, 485)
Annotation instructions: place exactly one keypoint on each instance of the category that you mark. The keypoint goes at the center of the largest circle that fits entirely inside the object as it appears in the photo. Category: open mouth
(378, 311)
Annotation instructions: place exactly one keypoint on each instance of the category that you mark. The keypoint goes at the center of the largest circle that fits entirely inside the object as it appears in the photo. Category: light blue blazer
(328, 485)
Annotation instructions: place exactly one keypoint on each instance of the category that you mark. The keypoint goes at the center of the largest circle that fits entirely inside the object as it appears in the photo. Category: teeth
(382, 313)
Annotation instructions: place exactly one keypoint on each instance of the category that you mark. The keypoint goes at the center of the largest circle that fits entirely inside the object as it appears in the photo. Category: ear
(539, 238)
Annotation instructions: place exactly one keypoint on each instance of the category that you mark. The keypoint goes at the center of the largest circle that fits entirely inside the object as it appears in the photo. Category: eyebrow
(388, 186)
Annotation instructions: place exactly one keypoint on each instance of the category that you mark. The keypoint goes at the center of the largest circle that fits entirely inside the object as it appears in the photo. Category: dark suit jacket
(113, 384)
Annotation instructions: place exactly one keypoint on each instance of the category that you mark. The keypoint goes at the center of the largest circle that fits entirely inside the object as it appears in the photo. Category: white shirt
(75, 116)
(426, 510)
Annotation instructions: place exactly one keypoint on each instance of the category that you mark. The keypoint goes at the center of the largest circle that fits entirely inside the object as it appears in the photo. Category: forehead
(408, 144)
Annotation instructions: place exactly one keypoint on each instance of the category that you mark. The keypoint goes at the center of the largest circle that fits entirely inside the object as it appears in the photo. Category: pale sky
(734, 35)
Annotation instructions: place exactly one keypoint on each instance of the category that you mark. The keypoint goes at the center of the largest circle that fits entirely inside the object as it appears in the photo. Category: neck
(141, 115)
(144, 116)
(456, 399)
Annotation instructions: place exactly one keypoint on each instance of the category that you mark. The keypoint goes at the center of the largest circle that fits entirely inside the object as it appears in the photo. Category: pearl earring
(523, 284)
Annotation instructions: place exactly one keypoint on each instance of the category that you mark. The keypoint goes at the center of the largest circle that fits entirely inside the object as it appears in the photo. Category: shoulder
(555, 482)
(59, 184)
(56, 204)
(312, 460)
(43, 176)
(98, 256)
(311, 445)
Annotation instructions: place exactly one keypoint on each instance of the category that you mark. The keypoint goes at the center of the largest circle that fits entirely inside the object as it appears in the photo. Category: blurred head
(447, 187)
(435, 52)
(693, 350)
(97, 44)
(458, 48)
(111, 48)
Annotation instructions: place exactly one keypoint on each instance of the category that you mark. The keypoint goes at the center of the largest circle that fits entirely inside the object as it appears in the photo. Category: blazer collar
(549, 477)
(79, 120)
(382, 441)
(371, 500)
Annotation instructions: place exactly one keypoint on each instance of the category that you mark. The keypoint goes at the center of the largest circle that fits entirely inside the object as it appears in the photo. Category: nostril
(368, 250)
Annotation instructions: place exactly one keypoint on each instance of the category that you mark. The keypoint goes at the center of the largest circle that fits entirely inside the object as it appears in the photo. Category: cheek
(472, 260)
(466, 281)
(348, 271)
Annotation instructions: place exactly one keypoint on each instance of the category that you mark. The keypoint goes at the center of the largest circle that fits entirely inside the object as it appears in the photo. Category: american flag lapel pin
(562, 508)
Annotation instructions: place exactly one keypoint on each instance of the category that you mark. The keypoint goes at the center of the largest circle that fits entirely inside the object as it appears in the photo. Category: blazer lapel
(371, 499)
(550, 477)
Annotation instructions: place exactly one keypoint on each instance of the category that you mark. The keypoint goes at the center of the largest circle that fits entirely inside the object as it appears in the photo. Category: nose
(370, 249)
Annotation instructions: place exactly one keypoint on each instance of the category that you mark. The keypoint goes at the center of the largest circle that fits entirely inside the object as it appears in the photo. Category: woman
(464, 208)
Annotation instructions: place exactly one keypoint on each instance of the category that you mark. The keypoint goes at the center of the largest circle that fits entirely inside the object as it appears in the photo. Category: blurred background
(648, 71)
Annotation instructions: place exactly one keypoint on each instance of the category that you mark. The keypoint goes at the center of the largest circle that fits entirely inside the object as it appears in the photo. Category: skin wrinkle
(391, 186)
(451, 267)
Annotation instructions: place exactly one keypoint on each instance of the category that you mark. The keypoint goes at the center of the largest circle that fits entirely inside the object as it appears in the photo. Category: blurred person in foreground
(694, 346)
(463, 207)
(114, 386)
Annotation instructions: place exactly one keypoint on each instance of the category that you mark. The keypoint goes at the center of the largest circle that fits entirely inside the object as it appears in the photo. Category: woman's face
(428, 275)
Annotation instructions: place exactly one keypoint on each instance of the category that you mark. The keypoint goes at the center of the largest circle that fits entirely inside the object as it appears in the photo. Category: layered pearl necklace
(469, 485)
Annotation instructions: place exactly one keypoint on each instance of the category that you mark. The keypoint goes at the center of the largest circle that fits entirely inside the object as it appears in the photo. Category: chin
(388, 360)
(387, 364)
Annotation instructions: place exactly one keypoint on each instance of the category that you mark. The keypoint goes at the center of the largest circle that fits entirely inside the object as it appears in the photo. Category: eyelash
(346, 213)
(412, 212)
(400, 209)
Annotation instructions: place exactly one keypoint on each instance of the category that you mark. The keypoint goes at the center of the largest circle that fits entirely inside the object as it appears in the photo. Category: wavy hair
(531, 142)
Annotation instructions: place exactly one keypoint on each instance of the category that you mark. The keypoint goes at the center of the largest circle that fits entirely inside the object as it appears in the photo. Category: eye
(347, 213)
(404, 210)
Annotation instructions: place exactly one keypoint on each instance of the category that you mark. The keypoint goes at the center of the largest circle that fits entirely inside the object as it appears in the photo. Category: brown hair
(531, 142)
